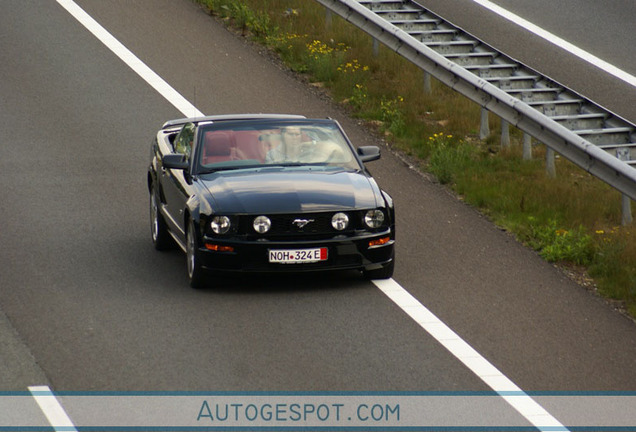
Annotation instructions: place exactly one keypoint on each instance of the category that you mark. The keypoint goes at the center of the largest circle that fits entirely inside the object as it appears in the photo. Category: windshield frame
(260, 125)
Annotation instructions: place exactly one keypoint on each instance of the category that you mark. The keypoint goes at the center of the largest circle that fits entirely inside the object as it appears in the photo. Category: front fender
(153, 166)
(388, 199)
(193, 209)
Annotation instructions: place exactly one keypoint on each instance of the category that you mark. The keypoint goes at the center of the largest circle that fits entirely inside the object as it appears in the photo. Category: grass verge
(572, 220)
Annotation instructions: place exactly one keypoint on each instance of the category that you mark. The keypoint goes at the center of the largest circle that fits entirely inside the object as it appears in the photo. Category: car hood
(290, 191)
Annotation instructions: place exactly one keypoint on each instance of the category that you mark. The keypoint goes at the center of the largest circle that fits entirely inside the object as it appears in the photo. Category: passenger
(270, 139)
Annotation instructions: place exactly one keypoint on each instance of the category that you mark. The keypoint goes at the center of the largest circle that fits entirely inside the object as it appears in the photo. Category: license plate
(297, 256)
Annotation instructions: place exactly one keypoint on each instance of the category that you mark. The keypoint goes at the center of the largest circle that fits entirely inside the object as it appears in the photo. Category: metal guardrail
(590, 136)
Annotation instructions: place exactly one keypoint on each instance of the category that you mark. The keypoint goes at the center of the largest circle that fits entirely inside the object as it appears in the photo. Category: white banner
(227, 411)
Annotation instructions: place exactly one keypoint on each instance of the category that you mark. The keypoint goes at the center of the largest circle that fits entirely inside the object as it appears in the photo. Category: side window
(183, 142)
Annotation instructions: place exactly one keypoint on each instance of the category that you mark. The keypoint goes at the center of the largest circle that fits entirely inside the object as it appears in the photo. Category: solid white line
(52, 409)
(489, 374)
(164, 89)
(561, 43)
(524, 404)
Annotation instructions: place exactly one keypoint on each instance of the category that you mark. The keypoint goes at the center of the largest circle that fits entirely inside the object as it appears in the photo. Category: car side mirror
(175, 161)
(369, 153)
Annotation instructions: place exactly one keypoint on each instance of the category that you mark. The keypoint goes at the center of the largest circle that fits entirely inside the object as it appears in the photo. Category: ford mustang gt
(268, 193)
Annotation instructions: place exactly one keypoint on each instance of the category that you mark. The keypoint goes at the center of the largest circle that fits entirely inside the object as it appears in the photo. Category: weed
(615, 265)
(559, 244)
(244, 17)
(448, 158)
(322, 59)
(392, 115)
(358, 97)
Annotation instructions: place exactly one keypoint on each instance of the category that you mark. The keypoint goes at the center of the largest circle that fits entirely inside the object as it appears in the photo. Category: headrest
(217, 143)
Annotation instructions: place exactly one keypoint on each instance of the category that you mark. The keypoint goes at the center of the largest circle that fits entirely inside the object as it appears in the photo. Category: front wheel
(158, 229)
(196, 272)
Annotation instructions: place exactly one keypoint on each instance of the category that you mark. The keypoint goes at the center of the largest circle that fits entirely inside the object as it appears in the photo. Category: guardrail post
(550, 166)
(427, 83)
(527, 146)
(627, 211)
(328, 18)
(376, 47)
(505, 134)
(484, 128)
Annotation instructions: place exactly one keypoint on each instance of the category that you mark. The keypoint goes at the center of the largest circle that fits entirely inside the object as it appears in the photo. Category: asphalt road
(87, 304)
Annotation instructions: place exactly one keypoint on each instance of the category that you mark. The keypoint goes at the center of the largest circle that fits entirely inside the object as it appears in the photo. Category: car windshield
(249, 144)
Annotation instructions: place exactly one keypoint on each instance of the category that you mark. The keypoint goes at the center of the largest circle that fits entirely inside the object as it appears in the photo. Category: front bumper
(343, 254)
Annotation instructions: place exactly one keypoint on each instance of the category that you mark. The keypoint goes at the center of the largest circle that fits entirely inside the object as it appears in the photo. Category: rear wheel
(158, 229)
(196, 272)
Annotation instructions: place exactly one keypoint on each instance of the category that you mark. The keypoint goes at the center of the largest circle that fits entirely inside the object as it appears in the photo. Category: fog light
(262, 224)
(340, 221)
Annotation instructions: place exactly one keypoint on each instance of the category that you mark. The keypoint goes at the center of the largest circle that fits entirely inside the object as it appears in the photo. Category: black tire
(385, 272)
(196, 272)
(158, 228)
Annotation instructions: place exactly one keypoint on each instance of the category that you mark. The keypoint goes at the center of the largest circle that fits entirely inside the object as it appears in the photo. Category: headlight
(374, 218)
(262, 224)
(220, 224)
(340, 221)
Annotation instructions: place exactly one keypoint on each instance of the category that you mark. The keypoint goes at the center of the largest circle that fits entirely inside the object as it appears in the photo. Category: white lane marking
(52, 409)
(561, 43)
(489, 374)
(162, 87)
(523, 403)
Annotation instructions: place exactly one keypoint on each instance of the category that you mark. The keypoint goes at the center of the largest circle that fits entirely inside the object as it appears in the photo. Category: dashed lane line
(52, 409)
(561, 43)
(150, 76)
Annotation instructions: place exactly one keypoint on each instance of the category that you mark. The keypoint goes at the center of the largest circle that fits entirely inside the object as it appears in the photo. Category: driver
(291, 148)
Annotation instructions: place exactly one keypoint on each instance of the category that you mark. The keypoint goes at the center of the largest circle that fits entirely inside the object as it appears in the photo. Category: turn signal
(218, 248)
(380, 241)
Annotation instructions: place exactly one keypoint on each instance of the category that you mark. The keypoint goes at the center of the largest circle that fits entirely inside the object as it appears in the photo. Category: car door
(176, 183)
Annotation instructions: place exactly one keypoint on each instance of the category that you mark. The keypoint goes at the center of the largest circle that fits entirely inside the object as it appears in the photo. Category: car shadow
(284, 282)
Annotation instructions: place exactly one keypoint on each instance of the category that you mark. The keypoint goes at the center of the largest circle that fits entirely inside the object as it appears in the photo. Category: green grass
(572, 219)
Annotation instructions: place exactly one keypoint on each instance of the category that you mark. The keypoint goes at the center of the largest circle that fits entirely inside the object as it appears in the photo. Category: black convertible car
(268, 193)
